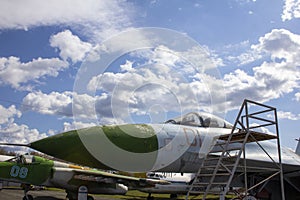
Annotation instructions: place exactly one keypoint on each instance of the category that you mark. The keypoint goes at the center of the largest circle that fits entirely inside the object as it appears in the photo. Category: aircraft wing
(108, 177)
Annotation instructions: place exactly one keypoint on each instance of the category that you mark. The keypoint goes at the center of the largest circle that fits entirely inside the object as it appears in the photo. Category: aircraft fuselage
(142, 147)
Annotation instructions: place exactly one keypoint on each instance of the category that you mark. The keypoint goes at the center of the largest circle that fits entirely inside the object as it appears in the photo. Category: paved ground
(17, 194)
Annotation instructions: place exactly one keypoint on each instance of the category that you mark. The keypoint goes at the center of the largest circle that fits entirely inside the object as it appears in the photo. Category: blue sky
(252, 46)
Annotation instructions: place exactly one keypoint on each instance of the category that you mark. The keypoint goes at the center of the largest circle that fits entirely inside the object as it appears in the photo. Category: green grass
(137, 195)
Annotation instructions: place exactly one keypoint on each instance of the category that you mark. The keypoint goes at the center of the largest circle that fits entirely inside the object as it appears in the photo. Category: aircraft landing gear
(249, 198)
(28, 197)
(149, 197)
(81, 195)
(173, 196)
(26, 189)
(71, 195)
(90, 197)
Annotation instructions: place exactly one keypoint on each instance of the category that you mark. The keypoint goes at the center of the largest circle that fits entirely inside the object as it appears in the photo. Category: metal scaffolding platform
(228, 160)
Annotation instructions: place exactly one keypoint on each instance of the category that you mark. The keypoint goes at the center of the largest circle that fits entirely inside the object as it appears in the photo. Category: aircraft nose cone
(123, 147)
(66, 146)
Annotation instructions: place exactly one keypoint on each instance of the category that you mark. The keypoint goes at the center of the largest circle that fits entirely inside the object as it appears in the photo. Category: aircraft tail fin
(298, 147)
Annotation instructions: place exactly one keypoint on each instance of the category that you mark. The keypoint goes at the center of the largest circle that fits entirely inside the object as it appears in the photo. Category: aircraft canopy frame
(201, 119)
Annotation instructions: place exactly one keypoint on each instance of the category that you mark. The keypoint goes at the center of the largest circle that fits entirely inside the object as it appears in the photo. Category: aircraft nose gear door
(26, 189)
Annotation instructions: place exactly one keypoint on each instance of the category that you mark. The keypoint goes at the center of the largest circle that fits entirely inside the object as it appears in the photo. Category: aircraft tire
(28, 197)
(71, 195)
(173, 196)
(90, 197)
(150, 198)
(249, 198)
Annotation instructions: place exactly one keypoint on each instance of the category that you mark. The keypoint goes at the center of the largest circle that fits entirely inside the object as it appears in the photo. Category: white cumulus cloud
(288, 115)
(16, 74)
(83, 107)
(280, 44)
(54, 103)
(20, 134)
(8, 114)
(170, 84)
(70, 46)
(102, 18)
(76, 125)
(12, 132)
(164, 80)
(272, 79)
(291, 10)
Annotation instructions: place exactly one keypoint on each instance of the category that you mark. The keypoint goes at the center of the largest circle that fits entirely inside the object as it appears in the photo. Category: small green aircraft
(35, 170)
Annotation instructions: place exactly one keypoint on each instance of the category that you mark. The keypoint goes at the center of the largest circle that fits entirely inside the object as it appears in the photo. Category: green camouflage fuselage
(35, 170)
(37, 173)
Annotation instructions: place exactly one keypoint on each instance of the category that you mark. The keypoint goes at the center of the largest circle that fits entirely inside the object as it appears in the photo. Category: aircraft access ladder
(219, 168)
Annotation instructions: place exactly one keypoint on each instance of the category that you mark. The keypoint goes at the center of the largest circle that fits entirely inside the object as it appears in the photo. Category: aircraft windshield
(200, 120)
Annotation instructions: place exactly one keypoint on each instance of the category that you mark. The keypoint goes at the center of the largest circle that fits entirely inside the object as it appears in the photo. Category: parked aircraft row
(34, 170)
(31, 170)
(180, 145)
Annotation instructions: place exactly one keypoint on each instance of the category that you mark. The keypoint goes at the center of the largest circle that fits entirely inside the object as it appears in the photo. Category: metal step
(212, 158)
(229, 142)
(218, 174)
(206, 183)
(229, 149)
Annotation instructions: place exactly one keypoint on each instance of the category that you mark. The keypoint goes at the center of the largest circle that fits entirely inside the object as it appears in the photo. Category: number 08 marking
(17, 171)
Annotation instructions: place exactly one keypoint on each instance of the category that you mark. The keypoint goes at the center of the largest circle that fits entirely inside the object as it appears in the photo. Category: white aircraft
(179, 184)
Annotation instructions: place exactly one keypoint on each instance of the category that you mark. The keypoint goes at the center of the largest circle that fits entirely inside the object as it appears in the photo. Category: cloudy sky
(71, 64)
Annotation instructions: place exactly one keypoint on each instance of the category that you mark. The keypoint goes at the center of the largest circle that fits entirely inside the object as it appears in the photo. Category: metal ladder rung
(230, 142)
(219, 183)
(224, 158)
(209, 166)
(201, 184)
(221, 150)
(214, 183)
(212, 159)
(218, 174)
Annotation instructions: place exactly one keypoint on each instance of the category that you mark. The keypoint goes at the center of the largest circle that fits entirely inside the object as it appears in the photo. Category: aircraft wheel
(249, 198)
(28, 197)
(90, 197)
(149, 197)
(71, 195)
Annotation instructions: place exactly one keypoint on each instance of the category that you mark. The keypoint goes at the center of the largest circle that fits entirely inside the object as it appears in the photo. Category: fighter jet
(175, 146)
(34, 170)
(179, 145)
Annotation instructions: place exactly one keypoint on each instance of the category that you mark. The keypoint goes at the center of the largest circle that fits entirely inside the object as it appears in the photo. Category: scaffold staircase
(219, 167)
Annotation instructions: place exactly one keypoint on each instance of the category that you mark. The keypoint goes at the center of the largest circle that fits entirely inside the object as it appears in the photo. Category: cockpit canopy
(200, 119)
(25, 159)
